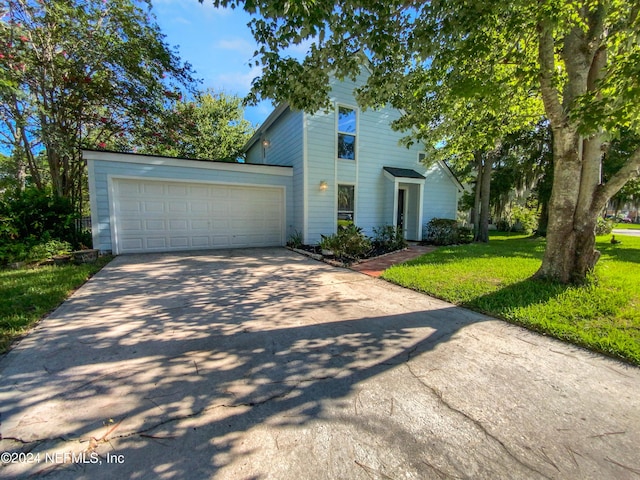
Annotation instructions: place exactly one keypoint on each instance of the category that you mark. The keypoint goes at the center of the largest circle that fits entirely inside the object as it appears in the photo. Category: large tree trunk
(570, 253)
(483, 190)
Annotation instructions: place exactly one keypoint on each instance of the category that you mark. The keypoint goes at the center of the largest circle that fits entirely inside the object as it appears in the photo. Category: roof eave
(271, 119)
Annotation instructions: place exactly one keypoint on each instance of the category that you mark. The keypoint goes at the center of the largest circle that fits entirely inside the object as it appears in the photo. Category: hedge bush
(444, 231)
(348, 244)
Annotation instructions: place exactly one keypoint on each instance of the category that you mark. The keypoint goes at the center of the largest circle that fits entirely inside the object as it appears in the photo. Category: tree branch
(550, 96)
(628, 171)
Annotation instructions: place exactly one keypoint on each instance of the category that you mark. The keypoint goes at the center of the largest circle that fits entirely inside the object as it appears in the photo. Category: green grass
(28, 294)
(603, 315)
(628, 226)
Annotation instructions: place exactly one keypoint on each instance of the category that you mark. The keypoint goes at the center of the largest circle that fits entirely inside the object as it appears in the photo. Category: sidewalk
(375, 266)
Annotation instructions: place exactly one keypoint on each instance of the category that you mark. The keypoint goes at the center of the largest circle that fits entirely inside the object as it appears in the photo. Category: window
(346, 133)
(346, 202)
(422, 156)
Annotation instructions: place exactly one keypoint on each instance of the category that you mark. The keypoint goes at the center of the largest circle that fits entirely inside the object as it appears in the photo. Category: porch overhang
(405, 176)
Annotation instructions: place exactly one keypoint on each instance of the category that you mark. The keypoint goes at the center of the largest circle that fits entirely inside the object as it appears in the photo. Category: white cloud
(236, 82)
(240, 45)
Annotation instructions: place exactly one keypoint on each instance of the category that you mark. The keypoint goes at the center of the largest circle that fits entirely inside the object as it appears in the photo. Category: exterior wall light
(323, 185)
(266, 143)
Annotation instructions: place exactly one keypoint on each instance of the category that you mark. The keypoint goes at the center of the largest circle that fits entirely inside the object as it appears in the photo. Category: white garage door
(159, 216)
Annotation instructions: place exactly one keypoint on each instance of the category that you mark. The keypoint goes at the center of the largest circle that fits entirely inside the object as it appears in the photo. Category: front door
(402, 193)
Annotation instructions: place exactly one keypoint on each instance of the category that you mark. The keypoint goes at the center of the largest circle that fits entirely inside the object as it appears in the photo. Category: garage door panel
(156, 242)
(179, 225)
(155, 206)
(179, 242)
(131, 226)
(164, 215)
(133, 207)
(220, 241)
(177, 206)
(199, 225)
(158, 225)
(178, 190)
(132, 244)
(199, 207)
(200, 242)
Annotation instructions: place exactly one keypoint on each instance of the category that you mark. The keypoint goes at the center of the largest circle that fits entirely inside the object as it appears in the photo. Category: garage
(159, 216)
(144, 203)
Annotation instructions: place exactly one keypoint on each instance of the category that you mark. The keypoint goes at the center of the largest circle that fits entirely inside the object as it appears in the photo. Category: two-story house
(304, 173)
(348, 165)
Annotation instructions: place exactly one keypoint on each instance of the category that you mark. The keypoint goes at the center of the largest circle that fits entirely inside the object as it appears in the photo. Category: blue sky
(217, 43)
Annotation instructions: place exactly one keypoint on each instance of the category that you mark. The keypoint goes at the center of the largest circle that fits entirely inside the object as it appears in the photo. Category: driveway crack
(438, 394)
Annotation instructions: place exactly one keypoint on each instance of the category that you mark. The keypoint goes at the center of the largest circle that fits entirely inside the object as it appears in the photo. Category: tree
(620, 149)
(76, 74)
(211, 126)
(523, 172)
(581, 58)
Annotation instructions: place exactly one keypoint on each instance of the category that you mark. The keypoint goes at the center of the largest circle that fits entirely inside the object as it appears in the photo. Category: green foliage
(209, 127)
(348, 244)
(35, 213)
(495, 279)
(295, 240)
(444, 231)
(36, 225)
(519, 218)
(604, 227)
(388, 238)
(51, 248)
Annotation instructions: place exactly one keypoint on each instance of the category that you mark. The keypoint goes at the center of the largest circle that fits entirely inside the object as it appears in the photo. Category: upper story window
(346, 133)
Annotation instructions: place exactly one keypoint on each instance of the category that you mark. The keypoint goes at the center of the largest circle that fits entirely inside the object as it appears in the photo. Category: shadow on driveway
(264, 364)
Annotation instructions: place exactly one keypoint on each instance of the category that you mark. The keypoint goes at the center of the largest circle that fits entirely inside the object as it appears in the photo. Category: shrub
(525, 219)
(33, 212)
(35, 225)
(13, 252)
(604, 227)
(295, 240)
(503, 225)
(444, 231)
(51, 248)
(388, 239)
(348, 245)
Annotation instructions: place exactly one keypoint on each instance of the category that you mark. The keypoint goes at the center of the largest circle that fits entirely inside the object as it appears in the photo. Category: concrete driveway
(261, 364)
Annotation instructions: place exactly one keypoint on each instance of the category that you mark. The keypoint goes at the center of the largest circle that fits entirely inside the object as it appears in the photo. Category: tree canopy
(211, 126)
(77, 74)
(467, 73)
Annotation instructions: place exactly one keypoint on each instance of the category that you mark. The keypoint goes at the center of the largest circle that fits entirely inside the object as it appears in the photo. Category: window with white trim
(422, 156)
(346, 133)
(346, 204)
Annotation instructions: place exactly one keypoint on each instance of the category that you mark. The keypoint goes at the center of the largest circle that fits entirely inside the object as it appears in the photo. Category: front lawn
(495, 279)
(28, 294)
(628, 226)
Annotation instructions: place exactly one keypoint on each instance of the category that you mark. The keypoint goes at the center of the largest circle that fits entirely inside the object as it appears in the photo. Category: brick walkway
(375, 266)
